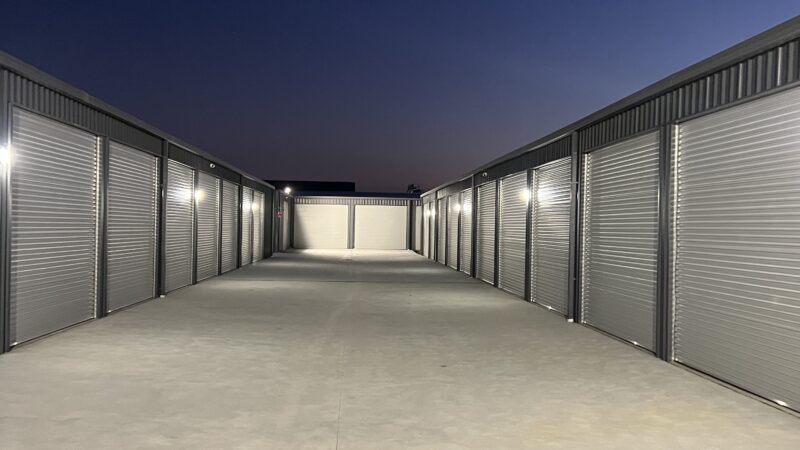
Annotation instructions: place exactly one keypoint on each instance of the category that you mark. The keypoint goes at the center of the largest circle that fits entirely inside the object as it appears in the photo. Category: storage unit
(514, 197)
(230, 226)
(320, 226)
(737, 246)
(132, 226)
(620, 239)
(550, 229)
(426, 231)
(441, 230)
(418, 228)
(453, 214)
(380, 227)
(258, 226)
(179, 239)
(208, 226)
(465, 257)
(487, 198)
(54, 239)
(285, 228)
(246, 249)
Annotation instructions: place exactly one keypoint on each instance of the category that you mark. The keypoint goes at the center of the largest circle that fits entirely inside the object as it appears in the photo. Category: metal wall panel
(258, 226)
(179, 238)
(132, 226)
(737, 246)
(466, 231)
(321, 226)
(550, 235)
(514, 197)
(453, 213)
(230, 226)
(426, 230)
(208, 227)
(246, 250)
(380, 227)
(54, 226)
(418, 228)
(487, 197)
(441, 230)
(620, 239)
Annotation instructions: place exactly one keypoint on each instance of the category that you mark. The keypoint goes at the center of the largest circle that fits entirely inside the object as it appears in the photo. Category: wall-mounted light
(212, 165)
(199, 195)
(287, 190)
(456, 207)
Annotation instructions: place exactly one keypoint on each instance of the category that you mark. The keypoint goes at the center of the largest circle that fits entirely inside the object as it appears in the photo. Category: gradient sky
(380, 93)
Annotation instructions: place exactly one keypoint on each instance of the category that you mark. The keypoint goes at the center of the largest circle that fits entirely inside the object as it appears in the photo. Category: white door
(380, 227)
(320, 226)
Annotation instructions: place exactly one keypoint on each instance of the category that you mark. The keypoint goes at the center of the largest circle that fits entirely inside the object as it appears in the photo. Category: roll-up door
(380, 227)
(453, 213)
(285, 230)
(208, 228)
(180, 226)
(320, 226)
(737, 246)
(441, 230)
(247, 226)
(230, 225)
(514, 197)
(550, 235)
(418, 228)
(487, 197)
(620, 234)
(466, 231)
(132, 225)
(426, 231)
(54, 190)
(258, 226)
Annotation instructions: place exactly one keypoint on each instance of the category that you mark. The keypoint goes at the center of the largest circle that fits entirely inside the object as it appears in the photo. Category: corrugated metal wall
(486, 208)
(465, 256)
(514, 197)
(453, 214)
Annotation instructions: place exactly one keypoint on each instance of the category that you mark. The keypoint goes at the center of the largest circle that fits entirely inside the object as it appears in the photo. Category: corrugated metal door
(466, 231)
(285, 233)
(247, 226)
(132, 226)
(620, 236)
(208, 228)
(453, 212)
(426, 231)
(441, 232)
(487, 197)
(514, 197)
(230, 225)
(179, 236)
(258, 226)
(418, 228)
(737, 246)
(380, 227)
(550, 235)
(320, 226)
(54, 189)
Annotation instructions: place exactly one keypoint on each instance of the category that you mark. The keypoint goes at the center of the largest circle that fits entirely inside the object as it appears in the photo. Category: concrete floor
(370, 350)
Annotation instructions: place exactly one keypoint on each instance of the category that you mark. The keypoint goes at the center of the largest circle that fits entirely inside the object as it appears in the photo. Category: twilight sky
(384, 93)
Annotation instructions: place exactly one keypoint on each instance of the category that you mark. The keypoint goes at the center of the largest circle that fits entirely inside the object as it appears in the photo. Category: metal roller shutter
(258, 226)
(453, 213)
(132, 226)
(487, 197)
(514, 197)
(285, 230)
(441, 230)
(426, 231)
(418, 228)
(466, 231)
(54, 189)
(737, 246)
(247, 226)
(620, 237)
(550, 235)
(321, 226)
(208, 229)
(230, 225)
(180, 226)
(380, 227)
